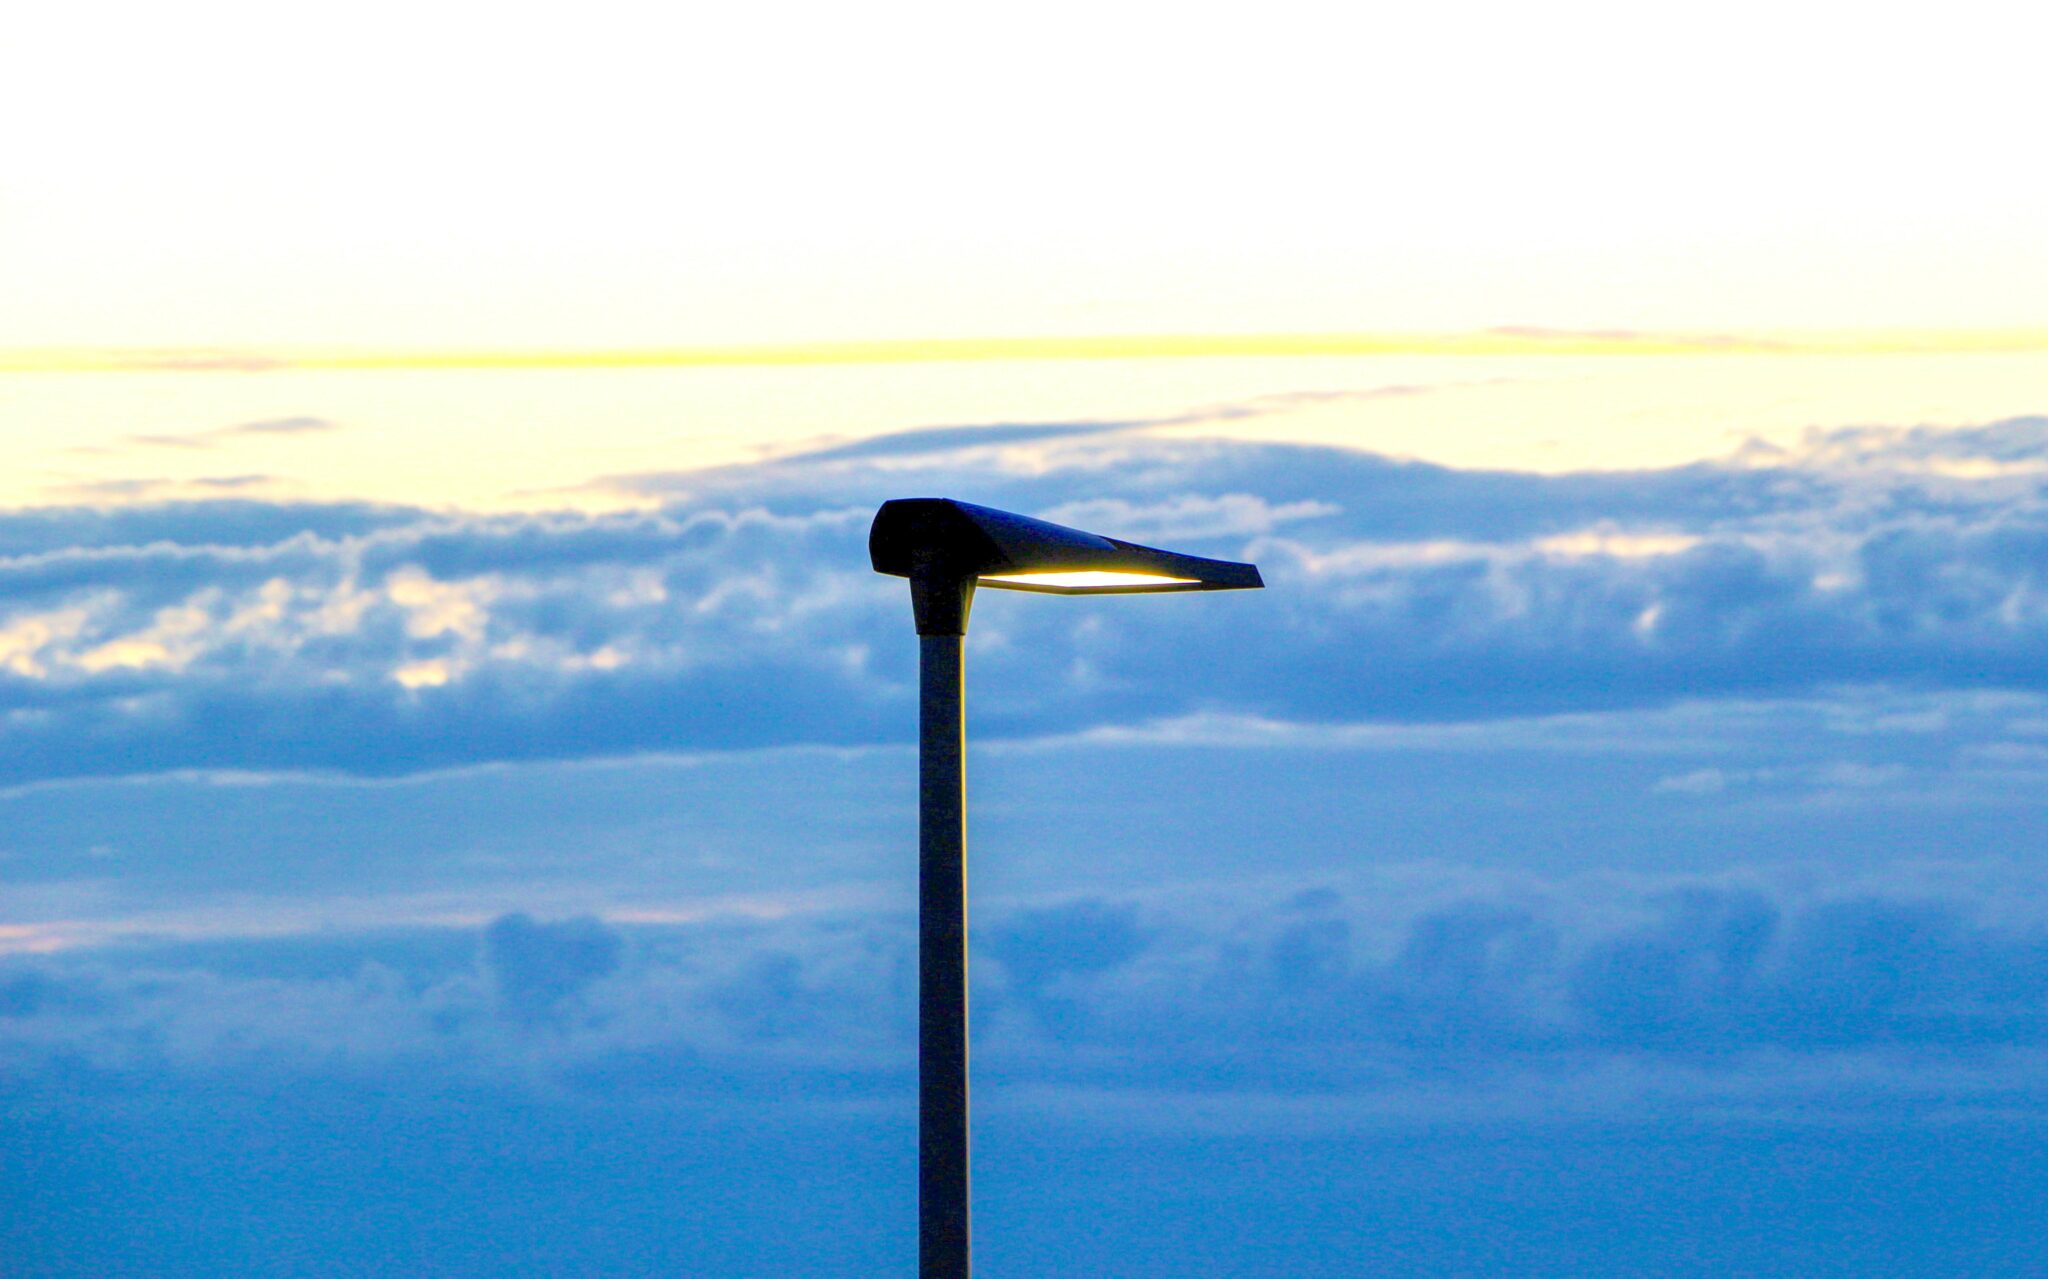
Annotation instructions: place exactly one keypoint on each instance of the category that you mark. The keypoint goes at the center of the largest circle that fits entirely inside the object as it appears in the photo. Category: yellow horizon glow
(1506, 341)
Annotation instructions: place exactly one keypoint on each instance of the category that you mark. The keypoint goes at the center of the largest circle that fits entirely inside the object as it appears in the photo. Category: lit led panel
(1087, 580)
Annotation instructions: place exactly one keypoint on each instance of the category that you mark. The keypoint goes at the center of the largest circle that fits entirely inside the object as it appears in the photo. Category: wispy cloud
(936, 445)
(275, 427)
(135, 489)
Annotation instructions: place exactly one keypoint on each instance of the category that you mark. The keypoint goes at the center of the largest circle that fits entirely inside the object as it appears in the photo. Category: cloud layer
(1624, 1001)
(742, 613)
(1542, 871)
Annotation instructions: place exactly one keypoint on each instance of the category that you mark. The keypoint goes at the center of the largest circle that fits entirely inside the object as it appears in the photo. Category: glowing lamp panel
(1087, 580)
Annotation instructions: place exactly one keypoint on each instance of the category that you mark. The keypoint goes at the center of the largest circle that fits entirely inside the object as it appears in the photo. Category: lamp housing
(937, 537)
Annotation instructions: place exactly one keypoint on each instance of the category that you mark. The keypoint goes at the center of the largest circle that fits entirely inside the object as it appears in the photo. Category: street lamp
(947, 549)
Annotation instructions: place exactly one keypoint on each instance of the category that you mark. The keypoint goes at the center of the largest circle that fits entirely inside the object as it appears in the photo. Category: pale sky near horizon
(631, 174)
(544, 439)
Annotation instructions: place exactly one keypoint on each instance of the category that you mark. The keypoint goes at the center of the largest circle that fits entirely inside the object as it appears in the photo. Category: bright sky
(358, 192)
(405, 175)
(528, 438)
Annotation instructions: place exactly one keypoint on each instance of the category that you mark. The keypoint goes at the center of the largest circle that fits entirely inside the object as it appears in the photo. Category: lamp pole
(941, 601)
(946, 549)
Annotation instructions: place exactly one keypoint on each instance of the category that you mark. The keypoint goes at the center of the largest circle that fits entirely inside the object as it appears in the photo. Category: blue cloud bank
(1547, 875)
(741, 613)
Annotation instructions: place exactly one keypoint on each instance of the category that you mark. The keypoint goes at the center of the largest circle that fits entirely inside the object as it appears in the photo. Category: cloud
(742, 613)
(1190, 518)
(939, 439)
(135, 490)
(300, 425)
(243, 523)
(268, 428)
(1011, 450)
(2013, 447)
(265, 429)
(1591, 808)
(1716, 988)
(535, 967)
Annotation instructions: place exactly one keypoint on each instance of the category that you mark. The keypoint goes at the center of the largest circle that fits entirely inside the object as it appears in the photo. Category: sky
(634, 174)
(457, 769)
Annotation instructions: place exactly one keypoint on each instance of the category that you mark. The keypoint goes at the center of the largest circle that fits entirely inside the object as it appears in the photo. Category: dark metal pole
(942, 1168)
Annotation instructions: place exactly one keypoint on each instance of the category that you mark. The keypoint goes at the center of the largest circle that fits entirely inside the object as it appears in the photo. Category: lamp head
(939, 540)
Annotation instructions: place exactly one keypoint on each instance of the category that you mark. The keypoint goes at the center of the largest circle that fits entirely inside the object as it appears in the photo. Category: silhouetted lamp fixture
(947, 549)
